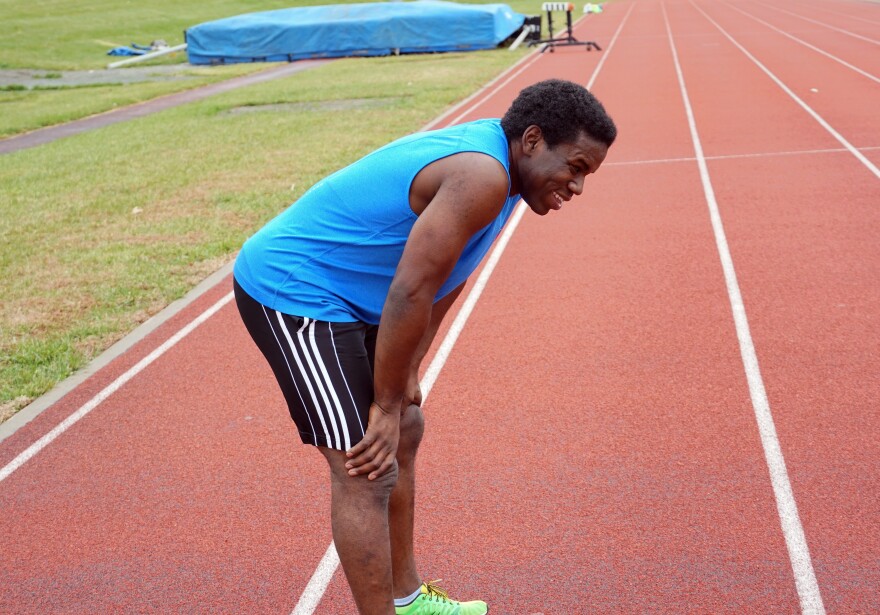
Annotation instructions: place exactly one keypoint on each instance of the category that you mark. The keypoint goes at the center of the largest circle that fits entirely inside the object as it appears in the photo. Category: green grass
(103, 229)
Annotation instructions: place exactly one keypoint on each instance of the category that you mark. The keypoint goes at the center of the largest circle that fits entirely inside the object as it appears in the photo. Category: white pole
(522, 35)
(148, 56)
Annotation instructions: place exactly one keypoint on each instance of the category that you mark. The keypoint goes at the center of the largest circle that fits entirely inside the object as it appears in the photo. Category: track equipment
(568, 39)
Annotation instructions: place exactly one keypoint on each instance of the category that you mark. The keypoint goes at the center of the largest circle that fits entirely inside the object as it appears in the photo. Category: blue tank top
(332, 254)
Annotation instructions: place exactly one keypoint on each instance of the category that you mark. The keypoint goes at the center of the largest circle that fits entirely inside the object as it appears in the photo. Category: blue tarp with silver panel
(371, 29)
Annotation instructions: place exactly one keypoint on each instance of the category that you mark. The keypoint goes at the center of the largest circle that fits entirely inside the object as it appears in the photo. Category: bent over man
(344, 291)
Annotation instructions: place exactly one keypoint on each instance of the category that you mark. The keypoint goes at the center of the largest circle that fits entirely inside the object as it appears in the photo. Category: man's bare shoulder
(477, 166)
(472, 176)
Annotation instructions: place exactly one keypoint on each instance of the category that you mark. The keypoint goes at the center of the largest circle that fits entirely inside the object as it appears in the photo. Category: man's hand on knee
(413, 389)
(375, 454)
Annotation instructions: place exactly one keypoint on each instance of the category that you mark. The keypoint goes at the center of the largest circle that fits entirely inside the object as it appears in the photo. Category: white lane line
(839, 14)
(111, 388)
(489, 87)
(806, 44)
(467, 307)
(836, 14)
(795, 540)
(317, 585)
(537, 55)
(810, 152)
(825, 25)
(530, 60)
(609, 48)
(526, 61)
(855, 152)
(321, 577)
(49, 399)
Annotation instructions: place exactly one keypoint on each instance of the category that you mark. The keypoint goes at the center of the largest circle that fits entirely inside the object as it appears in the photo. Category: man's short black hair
(562, 110)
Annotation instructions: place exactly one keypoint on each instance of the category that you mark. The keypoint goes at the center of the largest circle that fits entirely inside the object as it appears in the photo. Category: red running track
(594, 443)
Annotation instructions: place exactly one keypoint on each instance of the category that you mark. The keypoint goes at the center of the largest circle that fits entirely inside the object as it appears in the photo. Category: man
(345, 290)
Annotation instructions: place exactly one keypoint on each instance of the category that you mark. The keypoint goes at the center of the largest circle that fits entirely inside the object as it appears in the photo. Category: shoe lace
(435, 591)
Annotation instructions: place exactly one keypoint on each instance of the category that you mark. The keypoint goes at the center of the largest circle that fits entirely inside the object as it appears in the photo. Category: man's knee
(412, 427)
(358, 486)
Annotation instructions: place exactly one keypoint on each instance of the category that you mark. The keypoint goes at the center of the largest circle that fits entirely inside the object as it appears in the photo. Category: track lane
(861, 56)
(29, 433)
(803, 13)
(845, 99)
(801, 232)
(845, 11)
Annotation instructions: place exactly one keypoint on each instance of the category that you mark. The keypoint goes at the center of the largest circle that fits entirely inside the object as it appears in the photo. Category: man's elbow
(404, 295)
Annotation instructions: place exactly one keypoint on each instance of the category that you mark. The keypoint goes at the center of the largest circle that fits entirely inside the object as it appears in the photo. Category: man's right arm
(438, 312)
(470, 196)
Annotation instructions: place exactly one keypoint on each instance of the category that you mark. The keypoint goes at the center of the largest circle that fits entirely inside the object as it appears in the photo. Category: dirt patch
(320, 105)
(9, 408)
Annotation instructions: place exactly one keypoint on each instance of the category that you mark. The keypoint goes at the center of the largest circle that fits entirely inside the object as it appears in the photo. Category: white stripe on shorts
(289, 369)
(308, 322)
(302, 370)
(345, 380)
(320, 361)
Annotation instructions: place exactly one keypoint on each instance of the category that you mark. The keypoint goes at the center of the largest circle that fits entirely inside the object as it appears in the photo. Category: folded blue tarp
(371, 29)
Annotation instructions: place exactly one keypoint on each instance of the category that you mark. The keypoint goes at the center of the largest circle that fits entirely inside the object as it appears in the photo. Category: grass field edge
(40, 404)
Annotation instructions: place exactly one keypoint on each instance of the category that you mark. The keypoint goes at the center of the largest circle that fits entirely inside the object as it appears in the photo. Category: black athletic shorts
(325, 370)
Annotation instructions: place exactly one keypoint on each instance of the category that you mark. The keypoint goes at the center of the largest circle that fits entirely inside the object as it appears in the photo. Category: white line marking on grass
(795, 540)
(825, 25)
(111, 388)
(806, 44)
(855, 152)
(321, 577)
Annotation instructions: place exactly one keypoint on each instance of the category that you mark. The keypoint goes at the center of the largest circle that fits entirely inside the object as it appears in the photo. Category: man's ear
(532, 137)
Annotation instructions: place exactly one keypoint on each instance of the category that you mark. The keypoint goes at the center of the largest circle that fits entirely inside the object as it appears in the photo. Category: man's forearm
(405, 320)
(438, 312)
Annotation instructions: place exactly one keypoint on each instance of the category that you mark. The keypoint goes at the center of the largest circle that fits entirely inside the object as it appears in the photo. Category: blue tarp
(371, 29)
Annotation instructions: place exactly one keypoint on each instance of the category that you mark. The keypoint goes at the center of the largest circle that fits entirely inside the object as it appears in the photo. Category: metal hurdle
(568, 39)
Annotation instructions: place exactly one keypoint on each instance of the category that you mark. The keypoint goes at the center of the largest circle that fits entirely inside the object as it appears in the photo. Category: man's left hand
(413, 389)
(377, 451)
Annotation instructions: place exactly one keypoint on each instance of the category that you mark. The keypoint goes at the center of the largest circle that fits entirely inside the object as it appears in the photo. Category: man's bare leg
(359, 513)
(401, 509)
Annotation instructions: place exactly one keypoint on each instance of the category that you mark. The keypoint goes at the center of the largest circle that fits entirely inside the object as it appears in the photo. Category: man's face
(550, 176)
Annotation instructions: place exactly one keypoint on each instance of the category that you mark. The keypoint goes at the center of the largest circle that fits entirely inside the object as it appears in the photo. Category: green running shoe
(435, 601)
